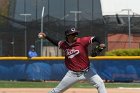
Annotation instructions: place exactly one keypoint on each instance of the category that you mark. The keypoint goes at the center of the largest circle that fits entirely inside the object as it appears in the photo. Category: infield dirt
(71, 90)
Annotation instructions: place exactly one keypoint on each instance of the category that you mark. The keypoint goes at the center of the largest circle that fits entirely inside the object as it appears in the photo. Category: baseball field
(81, 87)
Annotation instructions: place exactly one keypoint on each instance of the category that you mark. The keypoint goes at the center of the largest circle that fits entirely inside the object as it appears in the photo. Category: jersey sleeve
(61, 44)
(87, 40)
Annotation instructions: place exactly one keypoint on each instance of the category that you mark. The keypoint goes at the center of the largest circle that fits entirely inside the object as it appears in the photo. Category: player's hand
(41, 35)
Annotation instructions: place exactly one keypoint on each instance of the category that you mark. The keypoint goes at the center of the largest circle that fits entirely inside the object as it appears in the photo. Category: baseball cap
(71, 31)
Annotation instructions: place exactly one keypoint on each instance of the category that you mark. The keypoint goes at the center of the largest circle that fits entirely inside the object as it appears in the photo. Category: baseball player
(76, 60)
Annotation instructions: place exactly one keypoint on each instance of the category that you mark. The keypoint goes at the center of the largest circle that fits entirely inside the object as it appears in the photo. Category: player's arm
(96, 39)
(42, 35)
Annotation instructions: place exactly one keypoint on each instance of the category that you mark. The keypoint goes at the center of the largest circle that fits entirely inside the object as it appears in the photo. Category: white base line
(128, 88)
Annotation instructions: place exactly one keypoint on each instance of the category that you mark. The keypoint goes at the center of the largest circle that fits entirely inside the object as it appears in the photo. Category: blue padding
(38, 70)
(115, 70)
(11, 70)
(118, 70)
(58, 70)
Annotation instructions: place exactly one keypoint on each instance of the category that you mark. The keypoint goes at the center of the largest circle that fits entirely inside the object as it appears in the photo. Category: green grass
(27, 84)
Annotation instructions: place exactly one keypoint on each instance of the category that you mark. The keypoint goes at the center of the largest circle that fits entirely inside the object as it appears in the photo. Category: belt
(84, 70)
(79, 73)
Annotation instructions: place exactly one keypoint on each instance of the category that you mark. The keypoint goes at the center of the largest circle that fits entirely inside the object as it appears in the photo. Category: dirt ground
(71, 90)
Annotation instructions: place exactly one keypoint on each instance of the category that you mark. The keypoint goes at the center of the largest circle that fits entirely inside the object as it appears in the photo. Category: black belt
(84, 70)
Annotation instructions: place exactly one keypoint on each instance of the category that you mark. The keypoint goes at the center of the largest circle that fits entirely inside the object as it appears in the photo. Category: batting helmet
(71, 31)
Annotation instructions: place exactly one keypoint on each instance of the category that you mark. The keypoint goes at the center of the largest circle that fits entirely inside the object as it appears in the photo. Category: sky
(111, 7)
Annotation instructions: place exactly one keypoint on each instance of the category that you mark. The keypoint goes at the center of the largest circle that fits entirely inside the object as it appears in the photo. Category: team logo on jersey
(72, 53)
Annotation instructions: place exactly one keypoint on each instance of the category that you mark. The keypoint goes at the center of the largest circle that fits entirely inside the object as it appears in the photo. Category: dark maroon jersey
(76, 54)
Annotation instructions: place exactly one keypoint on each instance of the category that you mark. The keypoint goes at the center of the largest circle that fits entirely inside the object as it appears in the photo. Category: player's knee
(99, 84)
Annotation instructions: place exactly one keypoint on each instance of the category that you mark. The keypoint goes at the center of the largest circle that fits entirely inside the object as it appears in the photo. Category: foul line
(128, 88)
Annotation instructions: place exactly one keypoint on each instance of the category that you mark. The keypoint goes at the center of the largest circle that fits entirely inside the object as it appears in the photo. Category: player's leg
(68, 80)
(96, 80)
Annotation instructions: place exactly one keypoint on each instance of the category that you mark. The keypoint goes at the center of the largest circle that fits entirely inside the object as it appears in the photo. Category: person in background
(32, 52)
